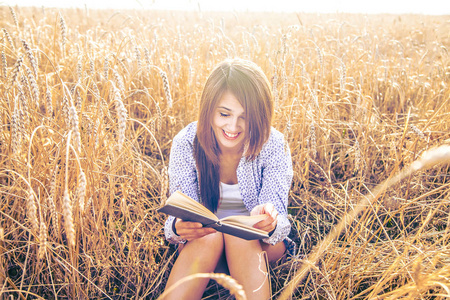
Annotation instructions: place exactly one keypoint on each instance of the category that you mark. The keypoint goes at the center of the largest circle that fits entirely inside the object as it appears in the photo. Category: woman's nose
(233, 125)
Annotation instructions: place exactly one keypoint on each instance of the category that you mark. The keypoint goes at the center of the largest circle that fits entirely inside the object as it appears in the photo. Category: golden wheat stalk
(33, 85)
(4, 65)
(15, 73)
(32, 211)
(14, 16)
(81, 190)
(62, 24)
(164, 184)
(67, 205)
(9, 39)
(119, 81)
(166, 89)
(31, 58)
(51, 199)
(42, 240)
(106, 68)
(74, 126)
(16, 135)
(275, 88)
(121, 117)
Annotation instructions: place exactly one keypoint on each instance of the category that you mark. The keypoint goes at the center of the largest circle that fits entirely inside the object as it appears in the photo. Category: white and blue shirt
(266, 179)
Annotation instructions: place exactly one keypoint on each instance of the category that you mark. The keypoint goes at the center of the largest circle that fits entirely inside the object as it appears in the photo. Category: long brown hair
(248, 83)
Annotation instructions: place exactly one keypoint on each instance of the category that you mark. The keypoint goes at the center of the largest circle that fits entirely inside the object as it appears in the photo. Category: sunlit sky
(433, 7)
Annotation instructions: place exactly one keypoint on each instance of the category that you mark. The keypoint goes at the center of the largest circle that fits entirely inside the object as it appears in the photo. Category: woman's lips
(230, 136)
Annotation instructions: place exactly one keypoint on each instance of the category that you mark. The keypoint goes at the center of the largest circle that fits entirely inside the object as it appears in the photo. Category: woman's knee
(238, 243)
(212, 243)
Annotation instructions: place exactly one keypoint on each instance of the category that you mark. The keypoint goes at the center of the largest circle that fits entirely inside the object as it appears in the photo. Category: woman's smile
(229, 135)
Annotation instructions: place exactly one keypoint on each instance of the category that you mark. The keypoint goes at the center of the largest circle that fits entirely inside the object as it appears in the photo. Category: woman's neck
(233, 155)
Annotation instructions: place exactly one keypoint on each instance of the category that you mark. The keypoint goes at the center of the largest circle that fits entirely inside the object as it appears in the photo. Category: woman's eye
(223, 115)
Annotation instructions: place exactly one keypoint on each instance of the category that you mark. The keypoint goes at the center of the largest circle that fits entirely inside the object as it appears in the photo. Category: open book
(184, 207)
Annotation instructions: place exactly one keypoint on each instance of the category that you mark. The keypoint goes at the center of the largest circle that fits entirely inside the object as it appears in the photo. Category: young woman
(233, 162)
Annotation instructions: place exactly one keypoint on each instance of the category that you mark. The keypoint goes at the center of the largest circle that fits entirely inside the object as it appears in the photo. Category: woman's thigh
(274, 252)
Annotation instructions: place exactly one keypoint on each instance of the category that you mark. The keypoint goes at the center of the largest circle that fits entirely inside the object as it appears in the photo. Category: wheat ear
(275, 88)
(166, 89)
(51, 199)
(121, 117)
(62, 24)
(16, 135)
(42, 240)
(33, 85)
(31, 58)
(67, 205)
(48, 102)
(14, 16)
(74, 126)
(81, 190)
(9, 39)
(32, 211)
(15, 73)
(4, 65)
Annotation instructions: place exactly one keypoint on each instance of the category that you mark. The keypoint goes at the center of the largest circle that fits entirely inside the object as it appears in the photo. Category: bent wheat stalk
(224, 280)
(427, 160)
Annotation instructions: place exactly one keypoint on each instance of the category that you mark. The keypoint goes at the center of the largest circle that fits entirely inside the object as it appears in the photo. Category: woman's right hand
(191, 230)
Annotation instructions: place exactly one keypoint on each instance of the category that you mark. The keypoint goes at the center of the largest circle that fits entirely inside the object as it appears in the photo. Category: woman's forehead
(229, 102)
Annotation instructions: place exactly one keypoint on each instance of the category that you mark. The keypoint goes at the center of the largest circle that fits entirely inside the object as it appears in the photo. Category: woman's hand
(191, 230)
(270, 222)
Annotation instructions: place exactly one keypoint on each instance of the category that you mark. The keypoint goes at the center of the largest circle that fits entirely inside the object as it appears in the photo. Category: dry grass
(89, 103)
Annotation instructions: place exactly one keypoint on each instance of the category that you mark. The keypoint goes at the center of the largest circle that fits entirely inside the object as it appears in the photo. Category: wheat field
(89, 103)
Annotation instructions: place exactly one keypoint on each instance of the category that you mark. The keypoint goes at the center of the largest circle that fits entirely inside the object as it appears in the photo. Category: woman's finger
(269, 227)
(265, 223)
(192, 230)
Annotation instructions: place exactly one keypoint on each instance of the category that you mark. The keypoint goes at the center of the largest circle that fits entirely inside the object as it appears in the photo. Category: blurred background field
(89, 103)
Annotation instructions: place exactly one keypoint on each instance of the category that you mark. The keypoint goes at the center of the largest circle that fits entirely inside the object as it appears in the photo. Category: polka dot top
(266, 179)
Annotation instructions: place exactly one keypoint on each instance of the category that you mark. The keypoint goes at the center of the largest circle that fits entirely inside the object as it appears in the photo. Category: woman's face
(228, 124)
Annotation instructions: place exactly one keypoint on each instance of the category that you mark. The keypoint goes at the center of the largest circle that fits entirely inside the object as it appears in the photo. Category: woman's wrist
(174, 229)
(270, 233)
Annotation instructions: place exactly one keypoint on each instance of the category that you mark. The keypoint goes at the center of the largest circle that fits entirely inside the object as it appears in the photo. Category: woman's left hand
(270, 222)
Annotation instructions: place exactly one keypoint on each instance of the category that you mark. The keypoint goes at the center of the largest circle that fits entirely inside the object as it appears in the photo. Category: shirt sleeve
(276, 182)
(182, 177)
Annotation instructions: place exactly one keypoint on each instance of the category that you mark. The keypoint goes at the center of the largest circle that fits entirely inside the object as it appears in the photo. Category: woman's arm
(276, 182)
(182, 177)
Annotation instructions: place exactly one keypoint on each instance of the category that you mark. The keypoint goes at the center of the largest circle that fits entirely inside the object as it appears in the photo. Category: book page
(243, 227)
(244, 220)
(183, 201)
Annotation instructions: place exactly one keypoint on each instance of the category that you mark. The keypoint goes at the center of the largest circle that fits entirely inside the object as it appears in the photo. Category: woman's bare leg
(247, 265)
(197, 256)
(274, 252)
